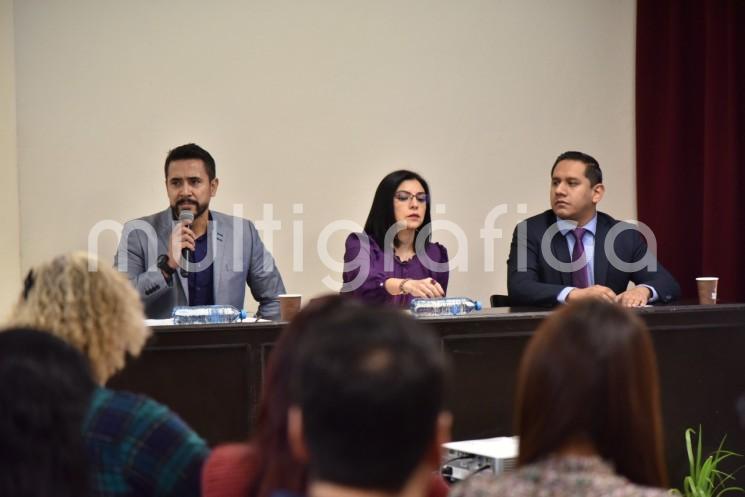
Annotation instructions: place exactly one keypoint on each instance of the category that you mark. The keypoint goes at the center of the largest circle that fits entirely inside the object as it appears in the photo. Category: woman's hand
(426, 287)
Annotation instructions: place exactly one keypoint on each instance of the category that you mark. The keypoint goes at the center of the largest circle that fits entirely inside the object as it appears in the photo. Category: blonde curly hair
(97, 311)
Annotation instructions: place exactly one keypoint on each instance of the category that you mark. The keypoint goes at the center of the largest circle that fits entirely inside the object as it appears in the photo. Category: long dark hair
(45, 390)
(382, 217)
(276, 468)
(589, 373)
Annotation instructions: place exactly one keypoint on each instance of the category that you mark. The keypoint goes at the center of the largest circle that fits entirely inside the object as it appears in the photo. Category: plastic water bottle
(207, 314)
(446, 306)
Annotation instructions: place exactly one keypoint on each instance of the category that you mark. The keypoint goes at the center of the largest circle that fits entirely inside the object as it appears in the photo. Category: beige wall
(313, 103)
(9, 234)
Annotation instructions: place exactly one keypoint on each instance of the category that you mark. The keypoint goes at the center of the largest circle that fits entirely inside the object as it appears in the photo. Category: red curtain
(690, 138)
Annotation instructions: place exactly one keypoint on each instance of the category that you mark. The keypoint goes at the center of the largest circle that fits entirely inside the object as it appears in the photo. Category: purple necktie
(579, 277)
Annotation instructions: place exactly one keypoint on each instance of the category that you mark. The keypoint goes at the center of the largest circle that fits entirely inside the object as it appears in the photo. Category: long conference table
(212, 375)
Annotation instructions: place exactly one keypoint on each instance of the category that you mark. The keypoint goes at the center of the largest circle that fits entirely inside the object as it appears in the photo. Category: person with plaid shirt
(135, 446)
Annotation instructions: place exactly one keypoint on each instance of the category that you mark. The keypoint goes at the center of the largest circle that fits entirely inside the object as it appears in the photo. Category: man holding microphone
(186, 254)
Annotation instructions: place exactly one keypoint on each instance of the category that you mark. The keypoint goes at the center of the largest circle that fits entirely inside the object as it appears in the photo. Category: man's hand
(636, 297)
(592, 292)
(426, 287)
(181, 237)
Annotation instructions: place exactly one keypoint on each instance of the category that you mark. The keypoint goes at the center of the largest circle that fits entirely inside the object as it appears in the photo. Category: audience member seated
(587, 410)
(135, 445)
(367, 410)
(266, 465)
(394, 259)
(45, 389)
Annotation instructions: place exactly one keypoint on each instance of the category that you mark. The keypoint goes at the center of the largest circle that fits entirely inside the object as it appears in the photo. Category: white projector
(463, 459)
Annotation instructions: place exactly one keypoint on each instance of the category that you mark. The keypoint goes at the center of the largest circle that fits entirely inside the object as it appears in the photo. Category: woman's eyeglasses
(406, 196)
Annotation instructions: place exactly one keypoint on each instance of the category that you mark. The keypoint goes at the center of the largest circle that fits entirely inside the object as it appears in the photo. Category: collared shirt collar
(565, 225)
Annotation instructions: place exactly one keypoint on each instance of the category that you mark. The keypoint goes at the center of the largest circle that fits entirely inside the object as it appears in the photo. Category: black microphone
(186, 218)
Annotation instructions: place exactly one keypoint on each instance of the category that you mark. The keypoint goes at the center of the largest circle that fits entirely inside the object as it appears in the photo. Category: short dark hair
(370, 384)
(382, 217)
(45, 391)
(192, 151)
(592, 168)
(278, 468)
(589, 372)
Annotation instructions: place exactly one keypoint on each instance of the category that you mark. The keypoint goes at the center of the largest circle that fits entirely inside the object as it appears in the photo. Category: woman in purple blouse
(394, 259)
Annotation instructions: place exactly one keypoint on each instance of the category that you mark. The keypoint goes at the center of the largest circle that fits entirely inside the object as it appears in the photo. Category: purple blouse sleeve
(363, 269)
(441, 255)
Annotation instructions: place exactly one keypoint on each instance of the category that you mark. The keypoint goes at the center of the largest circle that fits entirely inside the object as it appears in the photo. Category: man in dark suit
(573, 252)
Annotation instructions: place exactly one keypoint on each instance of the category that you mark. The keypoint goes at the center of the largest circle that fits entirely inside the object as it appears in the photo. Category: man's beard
(176, 210)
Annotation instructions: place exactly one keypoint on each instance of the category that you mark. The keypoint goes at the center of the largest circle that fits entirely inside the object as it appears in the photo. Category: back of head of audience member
(45, 389)
(368, 394)
(89, 305)
(277, 468)
(588, 378)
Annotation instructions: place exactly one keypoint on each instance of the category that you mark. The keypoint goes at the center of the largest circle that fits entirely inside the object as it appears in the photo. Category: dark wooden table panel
(211, 375)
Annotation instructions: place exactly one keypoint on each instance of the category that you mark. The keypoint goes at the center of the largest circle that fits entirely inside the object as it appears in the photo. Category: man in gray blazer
(225, 252)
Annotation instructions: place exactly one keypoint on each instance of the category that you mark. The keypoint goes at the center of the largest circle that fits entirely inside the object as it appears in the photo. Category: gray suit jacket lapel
(217, 236)
(165, 227)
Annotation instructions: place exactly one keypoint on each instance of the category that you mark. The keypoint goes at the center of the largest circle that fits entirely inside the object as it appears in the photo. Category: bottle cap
(477, 305)
(243, 314)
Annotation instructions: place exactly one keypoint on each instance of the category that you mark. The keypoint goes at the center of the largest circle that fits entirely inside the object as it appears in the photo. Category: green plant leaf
(731, 489)
(698, 451)
(689, 449)
(705, 478)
